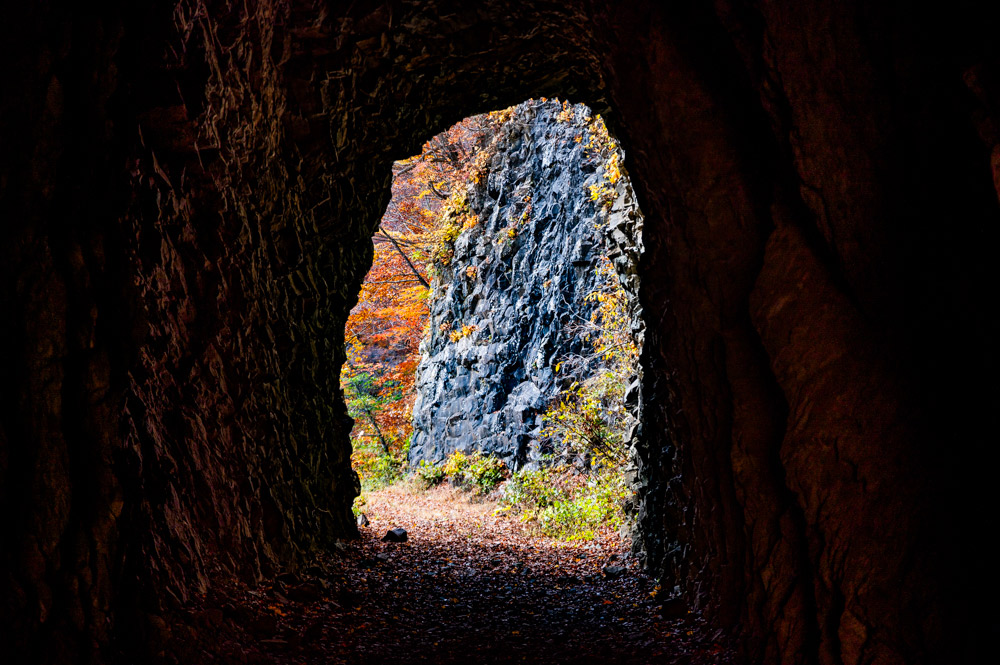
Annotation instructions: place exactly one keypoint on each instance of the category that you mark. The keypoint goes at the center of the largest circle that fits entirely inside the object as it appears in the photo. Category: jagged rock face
(187, 197)
(518, 282)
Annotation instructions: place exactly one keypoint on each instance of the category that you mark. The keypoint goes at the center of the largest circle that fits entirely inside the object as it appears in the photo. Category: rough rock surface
(187, 196)
(518, 282)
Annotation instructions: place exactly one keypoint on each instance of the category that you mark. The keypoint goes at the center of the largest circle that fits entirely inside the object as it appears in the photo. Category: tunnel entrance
(496, 340)
(493, 376)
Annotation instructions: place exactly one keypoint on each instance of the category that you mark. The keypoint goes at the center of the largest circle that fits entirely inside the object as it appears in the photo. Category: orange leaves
(566, 115)
(427, 211)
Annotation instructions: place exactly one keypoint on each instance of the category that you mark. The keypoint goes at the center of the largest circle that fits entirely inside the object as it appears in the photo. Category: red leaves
(384, 330)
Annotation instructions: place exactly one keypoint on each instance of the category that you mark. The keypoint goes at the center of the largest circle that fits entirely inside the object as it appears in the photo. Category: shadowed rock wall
(186, 198)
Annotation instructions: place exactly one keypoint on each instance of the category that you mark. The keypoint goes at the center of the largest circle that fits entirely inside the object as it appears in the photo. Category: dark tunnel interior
(187, 193)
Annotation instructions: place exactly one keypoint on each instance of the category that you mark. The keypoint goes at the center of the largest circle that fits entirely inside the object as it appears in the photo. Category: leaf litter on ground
(467, 586)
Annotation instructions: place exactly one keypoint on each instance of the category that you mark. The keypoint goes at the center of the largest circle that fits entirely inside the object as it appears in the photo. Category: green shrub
(531, 490)
(486, 472)
(598, 504)
(429, 474)
(565, 504)
(375, 467)
(482, 472)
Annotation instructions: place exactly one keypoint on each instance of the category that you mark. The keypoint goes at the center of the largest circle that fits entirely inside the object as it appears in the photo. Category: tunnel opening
(502, 314)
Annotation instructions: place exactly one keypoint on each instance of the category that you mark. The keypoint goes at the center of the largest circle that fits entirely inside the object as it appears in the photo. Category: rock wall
(517, 282)
(187, 192)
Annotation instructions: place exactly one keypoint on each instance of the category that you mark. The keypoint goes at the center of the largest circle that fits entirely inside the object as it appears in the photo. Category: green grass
(564, 503)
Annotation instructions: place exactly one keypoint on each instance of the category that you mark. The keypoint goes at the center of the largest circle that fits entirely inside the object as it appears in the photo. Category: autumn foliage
(384, 330)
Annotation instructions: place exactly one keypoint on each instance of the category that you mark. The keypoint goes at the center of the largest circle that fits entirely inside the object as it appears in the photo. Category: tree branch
(405, 257)
(437, 192)
(394, 281)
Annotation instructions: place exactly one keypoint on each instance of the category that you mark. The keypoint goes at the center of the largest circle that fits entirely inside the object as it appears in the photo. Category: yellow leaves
(614, 172)
(463, 332)
(479, 165)
(503, 115)
(456, 217)
(602, 194)
(457, 461)
(601, 146)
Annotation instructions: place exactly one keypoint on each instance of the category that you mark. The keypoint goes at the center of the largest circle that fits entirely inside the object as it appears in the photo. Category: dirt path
(466, 587)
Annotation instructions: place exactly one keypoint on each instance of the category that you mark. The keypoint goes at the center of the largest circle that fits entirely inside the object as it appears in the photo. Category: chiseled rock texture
(518, 281)
(187, 195)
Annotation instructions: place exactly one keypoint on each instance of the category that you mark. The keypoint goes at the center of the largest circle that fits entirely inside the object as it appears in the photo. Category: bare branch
(438, 192)
(395, 281)
(405, 258)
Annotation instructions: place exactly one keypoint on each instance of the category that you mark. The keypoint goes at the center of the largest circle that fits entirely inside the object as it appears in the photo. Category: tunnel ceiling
(187, 196)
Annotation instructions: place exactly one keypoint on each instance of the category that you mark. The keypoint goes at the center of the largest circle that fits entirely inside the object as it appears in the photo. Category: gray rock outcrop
(506, 308)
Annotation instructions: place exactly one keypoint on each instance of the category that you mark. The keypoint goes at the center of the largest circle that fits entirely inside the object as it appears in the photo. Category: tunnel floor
(466, 587)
